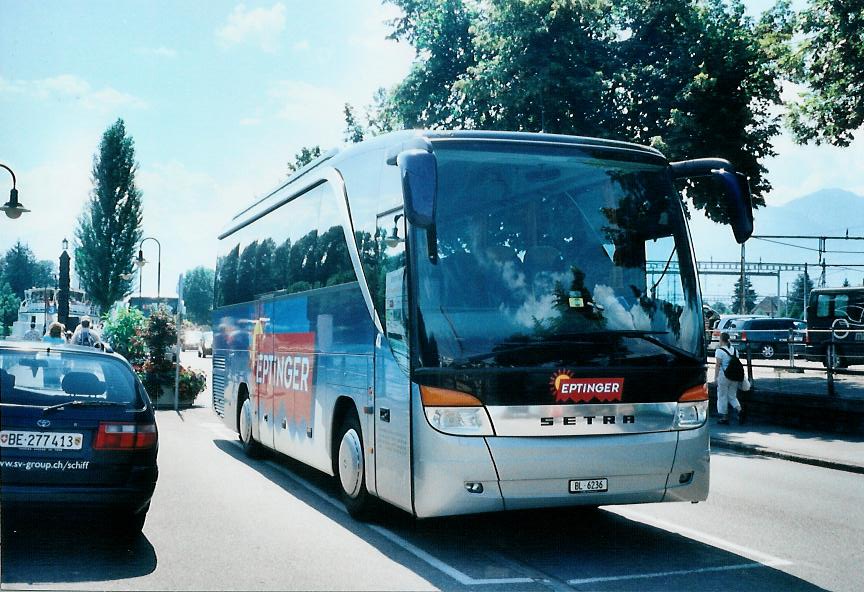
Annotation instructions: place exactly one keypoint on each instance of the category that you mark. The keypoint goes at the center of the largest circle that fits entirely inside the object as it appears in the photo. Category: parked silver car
(728, 324)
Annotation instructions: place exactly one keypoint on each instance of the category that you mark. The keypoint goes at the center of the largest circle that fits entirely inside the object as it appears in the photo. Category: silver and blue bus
(462, 322)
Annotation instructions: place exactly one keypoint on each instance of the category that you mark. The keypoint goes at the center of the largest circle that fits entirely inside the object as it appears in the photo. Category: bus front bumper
(462, 475)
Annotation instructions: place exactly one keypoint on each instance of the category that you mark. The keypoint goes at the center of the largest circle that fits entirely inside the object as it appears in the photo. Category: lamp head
(140, 261)
(12, 208)
(65, 244)
(393, 240)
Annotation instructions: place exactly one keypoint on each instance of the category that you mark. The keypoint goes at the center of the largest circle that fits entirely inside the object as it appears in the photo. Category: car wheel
(768, 351)
(252, 448)
(351, 468)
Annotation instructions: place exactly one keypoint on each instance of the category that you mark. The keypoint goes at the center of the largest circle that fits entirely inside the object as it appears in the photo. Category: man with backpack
(85, 335)
(728, 375)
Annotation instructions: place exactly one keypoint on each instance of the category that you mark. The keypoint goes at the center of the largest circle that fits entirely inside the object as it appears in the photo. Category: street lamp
(12, 208)
(141, 262)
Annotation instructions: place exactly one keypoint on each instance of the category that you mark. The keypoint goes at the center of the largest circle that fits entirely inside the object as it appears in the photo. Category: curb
(807, 460)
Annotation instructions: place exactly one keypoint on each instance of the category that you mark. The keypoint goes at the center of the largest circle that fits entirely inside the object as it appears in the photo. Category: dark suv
(767, 337)
(77, 431)
(835, 317)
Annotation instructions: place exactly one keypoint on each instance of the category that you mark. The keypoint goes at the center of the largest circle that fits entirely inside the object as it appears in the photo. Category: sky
(218, 96)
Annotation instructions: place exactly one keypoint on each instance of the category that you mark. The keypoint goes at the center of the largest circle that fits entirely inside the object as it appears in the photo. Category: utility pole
(742, 306)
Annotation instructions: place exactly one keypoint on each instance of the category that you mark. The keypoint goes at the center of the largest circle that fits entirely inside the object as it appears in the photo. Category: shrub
(124, 330)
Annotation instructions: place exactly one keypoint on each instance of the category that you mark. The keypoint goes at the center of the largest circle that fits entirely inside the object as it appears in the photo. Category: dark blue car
(77, 431)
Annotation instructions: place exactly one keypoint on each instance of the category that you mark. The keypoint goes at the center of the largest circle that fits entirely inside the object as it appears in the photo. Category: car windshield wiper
(80, 403)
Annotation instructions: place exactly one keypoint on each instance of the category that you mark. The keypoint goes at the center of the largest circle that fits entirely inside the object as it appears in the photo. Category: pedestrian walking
(728, 375)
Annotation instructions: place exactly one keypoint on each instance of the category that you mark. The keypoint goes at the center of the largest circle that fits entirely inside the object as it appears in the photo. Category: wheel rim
(246, 421)
(768, 351)
(351, 463)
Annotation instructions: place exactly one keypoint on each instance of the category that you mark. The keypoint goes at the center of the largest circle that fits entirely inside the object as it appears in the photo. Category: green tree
(830, 60)
(798, 296)
(441, 33)
(109, 230)
(9, 303)
(306, 155)
(694, 78)
(22, 271)
(353, 129)
(749, 296)
(720, 307)
(198, 294)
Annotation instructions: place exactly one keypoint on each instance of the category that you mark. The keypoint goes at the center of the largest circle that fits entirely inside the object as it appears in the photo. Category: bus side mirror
(739, 205)
(419, 172)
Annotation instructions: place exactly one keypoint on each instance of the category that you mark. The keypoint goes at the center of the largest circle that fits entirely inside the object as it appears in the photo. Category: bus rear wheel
(351, 468)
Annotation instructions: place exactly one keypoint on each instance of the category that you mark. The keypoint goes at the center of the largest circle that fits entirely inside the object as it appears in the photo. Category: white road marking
(702, 537)
(446, 568)
(760, 559)
(664, 574)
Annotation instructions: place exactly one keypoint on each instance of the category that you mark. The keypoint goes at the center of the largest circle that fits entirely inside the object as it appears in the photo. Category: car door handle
(384, 414)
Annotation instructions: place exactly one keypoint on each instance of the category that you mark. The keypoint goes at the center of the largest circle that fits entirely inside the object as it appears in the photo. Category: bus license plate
(41, 440)
(589, 485)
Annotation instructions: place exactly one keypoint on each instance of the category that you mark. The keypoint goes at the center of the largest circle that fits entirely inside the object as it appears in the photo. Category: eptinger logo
(583, 390)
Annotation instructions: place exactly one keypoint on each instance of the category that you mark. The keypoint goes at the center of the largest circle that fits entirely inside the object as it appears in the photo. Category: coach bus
(462, 322)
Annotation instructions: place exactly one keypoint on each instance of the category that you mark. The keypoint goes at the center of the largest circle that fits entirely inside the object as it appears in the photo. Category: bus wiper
(517, 347)
(649, 337)
(81, 403)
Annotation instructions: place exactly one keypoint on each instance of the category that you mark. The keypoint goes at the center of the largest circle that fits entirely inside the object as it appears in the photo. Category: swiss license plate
(589, 485)
(41, 440)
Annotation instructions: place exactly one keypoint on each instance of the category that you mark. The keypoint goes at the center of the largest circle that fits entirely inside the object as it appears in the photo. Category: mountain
(828, 212)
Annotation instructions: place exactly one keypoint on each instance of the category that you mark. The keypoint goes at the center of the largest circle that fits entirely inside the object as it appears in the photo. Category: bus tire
(351, 468)
(244, 426)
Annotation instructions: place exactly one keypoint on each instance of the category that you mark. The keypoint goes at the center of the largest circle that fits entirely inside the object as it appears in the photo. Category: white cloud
(250, 121)
(159, 52)
(318, 110)
(68, 87)
(801, 170)
(302, 45)
(260, 26)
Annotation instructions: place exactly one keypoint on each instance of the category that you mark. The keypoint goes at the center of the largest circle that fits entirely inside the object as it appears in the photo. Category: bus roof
(397, 139)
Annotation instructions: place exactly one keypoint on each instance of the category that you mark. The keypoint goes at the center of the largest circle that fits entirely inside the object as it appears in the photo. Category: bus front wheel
(252, 448)
(351, 468)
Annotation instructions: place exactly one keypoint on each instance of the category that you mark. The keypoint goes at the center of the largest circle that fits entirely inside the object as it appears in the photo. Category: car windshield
(55, 377)
(569, 255)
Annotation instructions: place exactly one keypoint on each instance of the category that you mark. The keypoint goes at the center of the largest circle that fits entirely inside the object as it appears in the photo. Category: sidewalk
(843, 452)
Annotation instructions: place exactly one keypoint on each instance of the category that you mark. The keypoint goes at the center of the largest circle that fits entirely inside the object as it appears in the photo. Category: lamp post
(12, 208)
(141, 262)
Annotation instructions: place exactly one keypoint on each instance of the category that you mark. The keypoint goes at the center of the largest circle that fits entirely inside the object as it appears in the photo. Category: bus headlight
(455, 412)
(690, 414)
(692, 411)
(460, 421)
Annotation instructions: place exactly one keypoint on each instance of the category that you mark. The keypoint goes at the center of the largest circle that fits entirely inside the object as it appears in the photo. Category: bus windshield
(549, 254)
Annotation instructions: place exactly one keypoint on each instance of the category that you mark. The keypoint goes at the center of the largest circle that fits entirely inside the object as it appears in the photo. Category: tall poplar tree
(109, 229)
